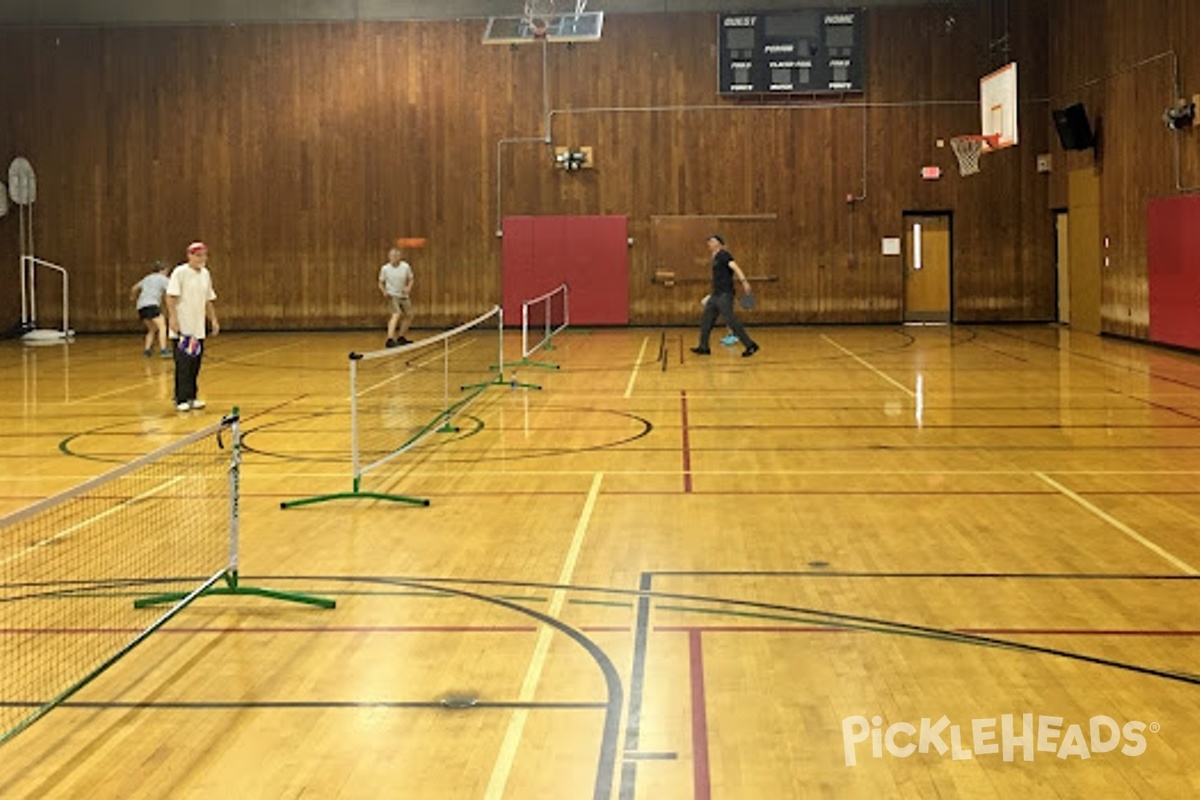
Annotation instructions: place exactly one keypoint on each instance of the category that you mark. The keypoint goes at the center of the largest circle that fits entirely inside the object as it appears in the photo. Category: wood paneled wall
(1121, 60)
(299, 151)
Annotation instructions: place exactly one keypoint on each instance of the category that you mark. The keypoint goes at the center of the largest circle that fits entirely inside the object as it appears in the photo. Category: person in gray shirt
(395, 282)
(149, 293)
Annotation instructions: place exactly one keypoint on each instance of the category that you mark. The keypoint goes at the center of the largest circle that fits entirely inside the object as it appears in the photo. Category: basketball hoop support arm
(543, 139)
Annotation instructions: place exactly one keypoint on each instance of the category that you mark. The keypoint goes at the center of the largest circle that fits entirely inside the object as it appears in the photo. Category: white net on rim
(538, 14)
(968, 149)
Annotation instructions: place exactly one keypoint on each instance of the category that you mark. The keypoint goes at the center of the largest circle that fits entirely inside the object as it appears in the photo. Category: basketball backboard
(998, 105)
(581, 27)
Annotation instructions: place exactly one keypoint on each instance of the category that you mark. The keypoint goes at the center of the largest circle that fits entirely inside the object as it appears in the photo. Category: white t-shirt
(194, 289)
(395, 278)
(150, 290)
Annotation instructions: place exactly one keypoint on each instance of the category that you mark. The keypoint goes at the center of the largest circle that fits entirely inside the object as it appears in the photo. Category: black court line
(628, 779)
(974, 341)
(637, 681)
(65, 444)
(1162, 407)
(642, 427)
(238, 705)
(1113, 364)
(608, 757)
(475, 456)
(637, 686)
(651, 756)
(602, 787)
(61, 589)
(884, 625)
(783, 403)
(824, 573)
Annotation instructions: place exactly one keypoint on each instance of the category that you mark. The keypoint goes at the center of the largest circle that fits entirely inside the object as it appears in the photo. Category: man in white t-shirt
(190, 298)
(395, 281)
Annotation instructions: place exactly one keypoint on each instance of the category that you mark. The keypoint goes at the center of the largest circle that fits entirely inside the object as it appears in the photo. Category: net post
(66, 311)
(33, 290)
(500, 344)
(24, 281)
(232, 584)
(513, 383)
(524, 331)
(354, 456)
(235, 473)
(546, 301)
(438, 420)
(179, 484)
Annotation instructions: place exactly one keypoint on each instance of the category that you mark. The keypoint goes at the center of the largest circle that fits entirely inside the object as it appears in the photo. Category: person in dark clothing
(720, 301)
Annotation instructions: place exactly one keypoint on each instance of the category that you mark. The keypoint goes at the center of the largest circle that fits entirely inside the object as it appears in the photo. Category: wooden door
(1062, 264)
(1086, 254)
(927, 268)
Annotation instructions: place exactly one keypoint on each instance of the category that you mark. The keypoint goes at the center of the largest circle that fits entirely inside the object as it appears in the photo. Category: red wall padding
(1173, 255)
(590, 254)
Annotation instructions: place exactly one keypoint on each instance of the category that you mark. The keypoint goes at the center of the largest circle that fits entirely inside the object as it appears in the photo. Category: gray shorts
(400, 305)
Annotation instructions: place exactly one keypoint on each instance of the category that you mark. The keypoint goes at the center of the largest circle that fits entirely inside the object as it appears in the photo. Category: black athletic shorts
(149, 312)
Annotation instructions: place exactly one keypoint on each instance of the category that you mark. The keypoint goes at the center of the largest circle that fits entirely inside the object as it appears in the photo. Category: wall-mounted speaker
(1074, 130)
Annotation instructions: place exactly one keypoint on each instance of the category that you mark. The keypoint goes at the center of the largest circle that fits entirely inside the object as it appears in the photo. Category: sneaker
(404, 340)
(197, 404)
(731, 339)
(391, 343)
(165, 352)
(183, 406)
(146, 353)
(751, 350)
(701, 351)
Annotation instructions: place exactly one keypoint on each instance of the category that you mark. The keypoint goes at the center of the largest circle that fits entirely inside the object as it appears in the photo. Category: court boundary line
(863, 362)
(147, 381)
(701, 775)
(686, 442)
(514, 732)
(891, 627)
(1095, 510)
(637, 365)
(217, 705)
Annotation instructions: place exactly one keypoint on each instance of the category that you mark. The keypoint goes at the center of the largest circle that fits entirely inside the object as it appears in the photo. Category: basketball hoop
(538, 14)
(968, 149)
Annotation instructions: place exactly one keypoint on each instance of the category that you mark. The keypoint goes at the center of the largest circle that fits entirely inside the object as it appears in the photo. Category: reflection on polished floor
(868, 562)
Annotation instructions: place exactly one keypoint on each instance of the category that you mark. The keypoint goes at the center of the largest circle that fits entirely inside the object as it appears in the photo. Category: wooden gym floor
(661, 577)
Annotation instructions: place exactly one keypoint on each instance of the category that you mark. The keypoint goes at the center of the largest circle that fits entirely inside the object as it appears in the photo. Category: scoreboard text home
(810, 51)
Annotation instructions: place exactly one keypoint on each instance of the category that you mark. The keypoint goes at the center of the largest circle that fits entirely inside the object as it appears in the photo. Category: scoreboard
(809, 51)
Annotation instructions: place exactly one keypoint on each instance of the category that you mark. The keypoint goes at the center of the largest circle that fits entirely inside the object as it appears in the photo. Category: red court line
(721, 492)
(30, 499)
(315, 629)
(839, 493)
(700, 771)
(1010, 631)
(1077, 632)
(294, 629)
(687, 449)
(688, 629)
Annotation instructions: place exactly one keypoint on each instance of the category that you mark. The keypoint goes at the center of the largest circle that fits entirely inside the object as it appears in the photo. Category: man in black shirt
(724, 268)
